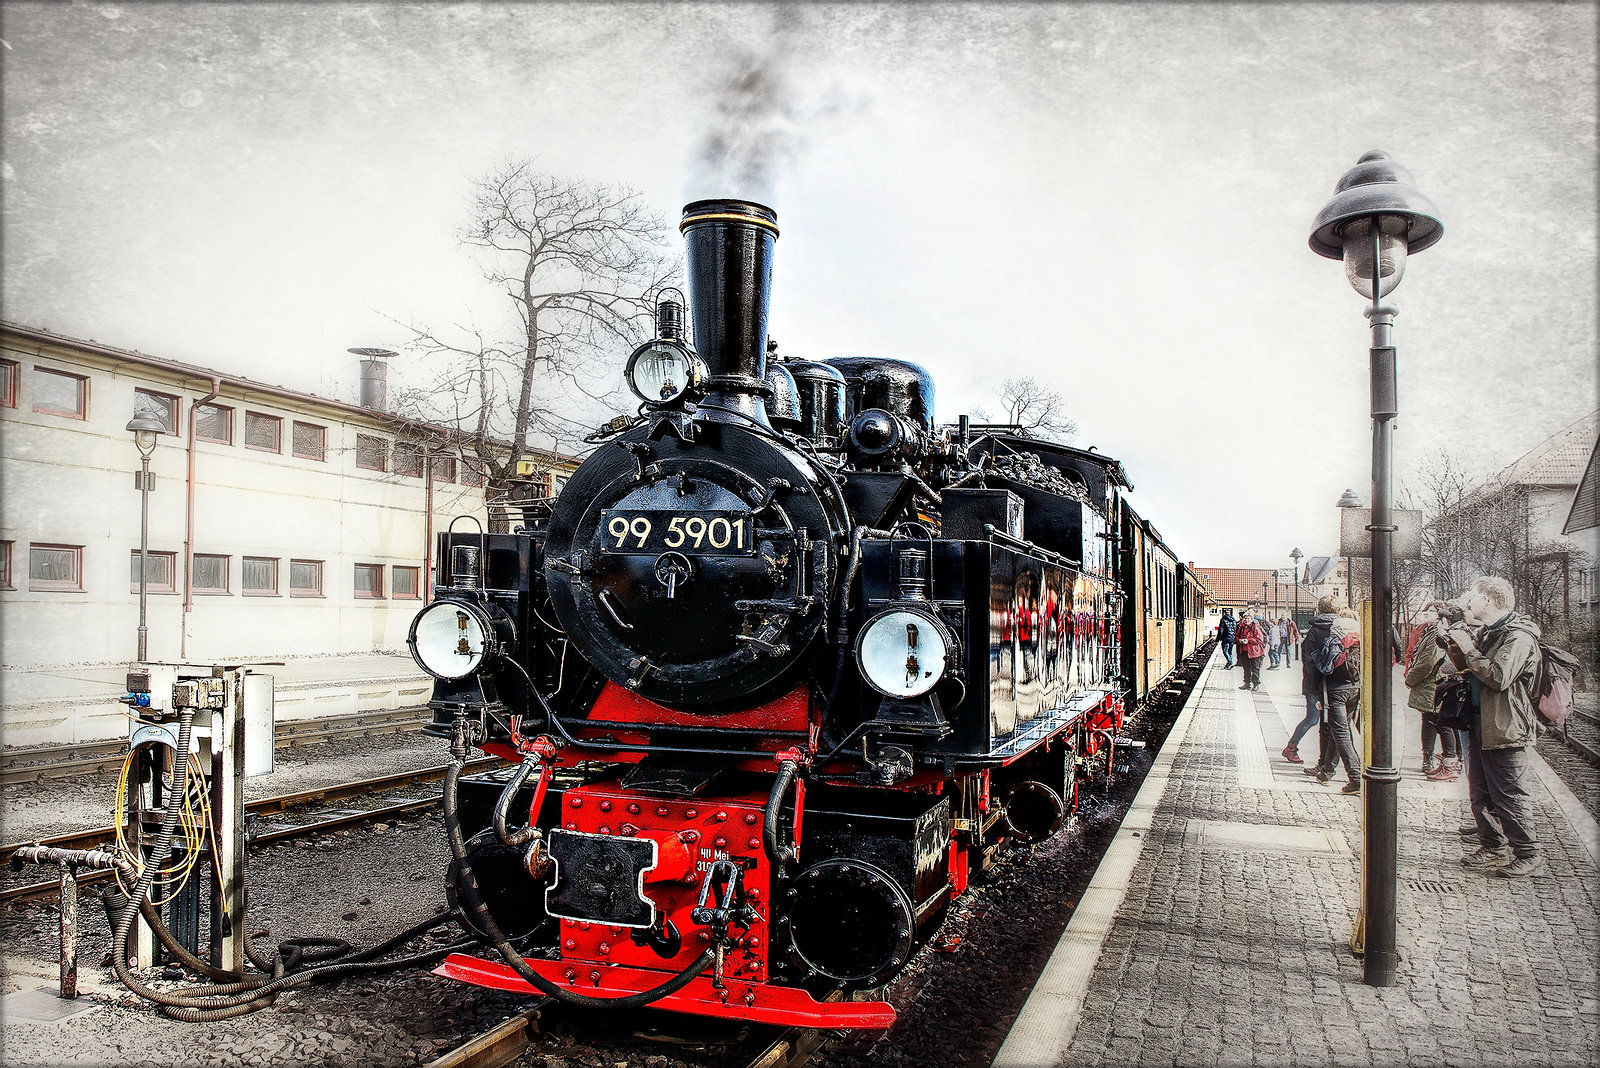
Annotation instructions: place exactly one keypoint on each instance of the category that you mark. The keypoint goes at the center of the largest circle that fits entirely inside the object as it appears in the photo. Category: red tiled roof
(1241, 585)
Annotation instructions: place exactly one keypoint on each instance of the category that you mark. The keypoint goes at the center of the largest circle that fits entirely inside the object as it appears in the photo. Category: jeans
(1272, 651)
(1430, 731)
(1340, 741)
(1288, 653)
(1252, 670)
(1227, 653)
(1497, 784)
(1313, 717)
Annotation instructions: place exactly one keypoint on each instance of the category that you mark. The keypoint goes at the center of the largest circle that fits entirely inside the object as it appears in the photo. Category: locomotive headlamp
(902, 652)
(451, 639)
(662, 371)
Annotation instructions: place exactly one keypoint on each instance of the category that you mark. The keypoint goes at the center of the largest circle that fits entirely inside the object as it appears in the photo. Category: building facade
(280, 523)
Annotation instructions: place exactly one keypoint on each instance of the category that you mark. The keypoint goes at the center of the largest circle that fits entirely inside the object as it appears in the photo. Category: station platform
(70, 705)
(1217, 927)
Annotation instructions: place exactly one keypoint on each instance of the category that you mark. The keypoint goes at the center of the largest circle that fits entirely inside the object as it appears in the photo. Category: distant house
(1583, 519)
(281, 523)
(1520, 524)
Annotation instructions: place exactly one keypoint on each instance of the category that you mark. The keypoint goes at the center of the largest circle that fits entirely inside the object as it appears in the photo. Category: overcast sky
(1113, 198)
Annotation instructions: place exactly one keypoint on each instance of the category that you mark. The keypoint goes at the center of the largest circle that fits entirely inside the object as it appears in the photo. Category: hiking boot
(1522, 866)
(1428, 764)
(1291, 754)
(1487, 858)
(1351, 787)
(1246, 686)
(1315, 769)
(1446, 772)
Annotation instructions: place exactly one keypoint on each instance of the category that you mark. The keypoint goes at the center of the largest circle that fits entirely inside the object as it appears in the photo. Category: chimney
(729, 249)
(374, 377)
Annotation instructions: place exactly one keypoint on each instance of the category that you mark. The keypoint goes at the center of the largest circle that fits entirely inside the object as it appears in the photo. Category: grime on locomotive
(782, 667)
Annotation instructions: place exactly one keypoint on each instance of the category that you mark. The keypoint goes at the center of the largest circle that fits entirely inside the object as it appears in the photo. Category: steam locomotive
(781, 668)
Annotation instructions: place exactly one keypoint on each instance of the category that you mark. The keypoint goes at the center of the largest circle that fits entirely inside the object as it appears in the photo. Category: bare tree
(1488, 528)
(1036, 408)
(578, 264)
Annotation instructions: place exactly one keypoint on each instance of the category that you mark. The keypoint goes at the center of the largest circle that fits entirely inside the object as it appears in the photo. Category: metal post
(144, 555)
(69, 932)
(1382, 777)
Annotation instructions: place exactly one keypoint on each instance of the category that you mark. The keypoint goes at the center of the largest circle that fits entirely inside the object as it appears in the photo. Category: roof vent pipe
(374, 377)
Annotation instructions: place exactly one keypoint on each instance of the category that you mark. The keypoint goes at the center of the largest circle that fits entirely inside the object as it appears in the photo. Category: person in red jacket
(1252, 641)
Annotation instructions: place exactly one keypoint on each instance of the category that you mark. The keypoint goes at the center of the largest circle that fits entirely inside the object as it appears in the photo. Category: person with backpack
(1252, 639)
(1502, 662)
(1422, 676)
(1225, 632)
(1330, 673)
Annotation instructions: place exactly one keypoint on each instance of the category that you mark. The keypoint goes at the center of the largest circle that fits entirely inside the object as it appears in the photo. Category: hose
(234, 993)
(502, 808)
(470, 890)
(778, 854)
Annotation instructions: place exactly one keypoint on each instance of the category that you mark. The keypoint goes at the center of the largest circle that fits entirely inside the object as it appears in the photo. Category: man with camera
(1501, 660)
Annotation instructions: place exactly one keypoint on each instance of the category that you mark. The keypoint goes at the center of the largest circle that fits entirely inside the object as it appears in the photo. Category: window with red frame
(59, 393)
(369, 580)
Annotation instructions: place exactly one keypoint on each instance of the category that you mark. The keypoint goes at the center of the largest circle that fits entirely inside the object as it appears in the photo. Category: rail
(61, 761)
(265, 806)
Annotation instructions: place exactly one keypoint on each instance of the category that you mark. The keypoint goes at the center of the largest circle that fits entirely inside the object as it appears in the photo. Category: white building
(281, 523)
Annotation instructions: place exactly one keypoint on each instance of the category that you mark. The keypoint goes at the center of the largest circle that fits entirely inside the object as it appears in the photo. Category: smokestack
(729, 247)
(374, 377)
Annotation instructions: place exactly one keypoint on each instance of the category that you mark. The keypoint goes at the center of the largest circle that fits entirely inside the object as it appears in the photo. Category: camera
(1451, 614)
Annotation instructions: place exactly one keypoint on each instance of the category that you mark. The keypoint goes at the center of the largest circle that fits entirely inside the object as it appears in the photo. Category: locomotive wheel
(850, 922)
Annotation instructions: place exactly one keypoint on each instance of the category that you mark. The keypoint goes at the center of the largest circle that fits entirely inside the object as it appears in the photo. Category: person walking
(1294, 635)
(1270, 629)
(1312, 689)
(1252, 641)
(1283, 639)
(1226, 628)
(1501, 661)
(1423, 661)
(1331, 666)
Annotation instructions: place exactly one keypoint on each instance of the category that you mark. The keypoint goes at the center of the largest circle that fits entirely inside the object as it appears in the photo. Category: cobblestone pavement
(1232, 943)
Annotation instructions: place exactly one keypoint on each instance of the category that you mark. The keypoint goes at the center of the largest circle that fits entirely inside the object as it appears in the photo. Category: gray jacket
(1504, 659)
(1422, 674)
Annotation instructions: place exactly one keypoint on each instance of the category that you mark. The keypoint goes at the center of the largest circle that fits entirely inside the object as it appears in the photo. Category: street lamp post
(1349, 500)
(1295, 556)
(1375, 218)
(145, 429)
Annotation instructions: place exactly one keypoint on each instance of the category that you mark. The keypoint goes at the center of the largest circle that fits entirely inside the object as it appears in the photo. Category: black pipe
(480, 910)
(778, 854)
(728, 246)
(502, 808)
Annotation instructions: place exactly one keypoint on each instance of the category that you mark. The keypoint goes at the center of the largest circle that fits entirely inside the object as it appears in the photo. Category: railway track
(267, 806)
(61, 761)
(510, 1040)
(1585, 740)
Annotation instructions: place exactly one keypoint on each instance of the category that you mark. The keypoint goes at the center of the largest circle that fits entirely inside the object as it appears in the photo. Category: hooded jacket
(1422, 670)
(1504, 657)
(1252, 639)
(1226, 627)
(1319, 631)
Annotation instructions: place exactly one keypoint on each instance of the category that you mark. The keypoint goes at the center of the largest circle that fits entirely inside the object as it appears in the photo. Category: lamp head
(145, 429)
(1376, 193)
(1295, 554)
(1350, 500)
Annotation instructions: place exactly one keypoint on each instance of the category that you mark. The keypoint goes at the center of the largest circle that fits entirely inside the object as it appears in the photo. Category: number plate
(691, 533)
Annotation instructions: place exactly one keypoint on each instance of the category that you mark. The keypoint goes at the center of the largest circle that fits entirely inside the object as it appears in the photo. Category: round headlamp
(661, 371)
(902, 652)
(451, 639)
